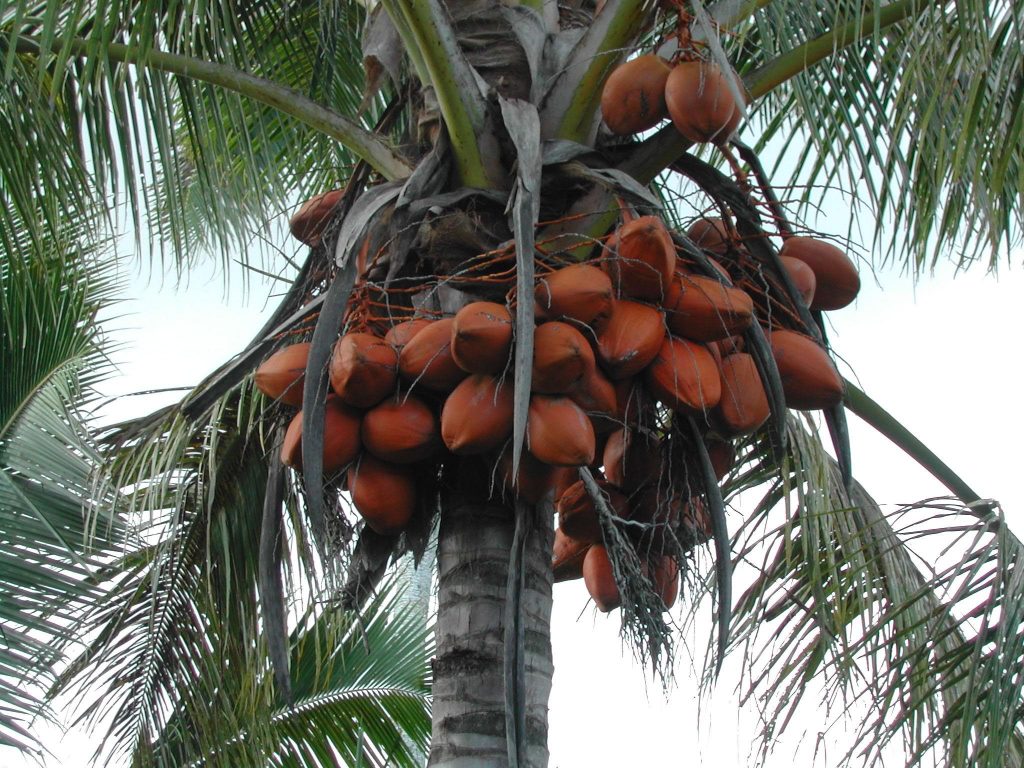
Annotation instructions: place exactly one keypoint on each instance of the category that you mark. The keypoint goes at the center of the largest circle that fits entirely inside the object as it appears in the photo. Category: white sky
(940, 357)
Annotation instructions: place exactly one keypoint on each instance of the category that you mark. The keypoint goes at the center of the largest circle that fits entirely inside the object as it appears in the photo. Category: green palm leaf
(51, 356)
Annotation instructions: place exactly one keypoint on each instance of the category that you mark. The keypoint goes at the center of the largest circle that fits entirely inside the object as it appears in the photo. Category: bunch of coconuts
(622, 343)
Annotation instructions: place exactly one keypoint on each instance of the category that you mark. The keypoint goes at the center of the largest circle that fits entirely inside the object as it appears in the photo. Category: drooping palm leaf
(51, 355)
(845, 595)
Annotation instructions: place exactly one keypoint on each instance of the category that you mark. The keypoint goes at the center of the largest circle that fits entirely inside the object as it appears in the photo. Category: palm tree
(474, 122)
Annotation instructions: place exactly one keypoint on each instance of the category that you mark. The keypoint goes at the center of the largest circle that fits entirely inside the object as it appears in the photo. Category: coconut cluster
(626, 346)
(696, 95)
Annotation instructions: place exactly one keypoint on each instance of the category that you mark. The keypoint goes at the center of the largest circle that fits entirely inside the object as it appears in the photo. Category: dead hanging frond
(909, 620)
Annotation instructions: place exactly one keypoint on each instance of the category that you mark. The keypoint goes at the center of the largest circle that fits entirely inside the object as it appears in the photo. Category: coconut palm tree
(468, 143)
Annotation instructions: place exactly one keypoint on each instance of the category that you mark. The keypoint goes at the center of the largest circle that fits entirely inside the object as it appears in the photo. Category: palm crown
(208, 121)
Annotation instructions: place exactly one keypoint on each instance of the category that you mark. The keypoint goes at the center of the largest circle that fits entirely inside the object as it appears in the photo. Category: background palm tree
(194, 102)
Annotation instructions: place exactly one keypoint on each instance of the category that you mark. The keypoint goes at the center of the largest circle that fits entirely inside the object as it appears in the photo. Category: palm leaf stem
(884, 422)
(383, 158)
(803, 57)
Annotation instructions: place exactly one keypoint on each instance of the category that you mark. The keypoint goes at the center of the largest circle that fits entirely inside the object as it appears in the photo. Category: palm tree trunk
(475, 542)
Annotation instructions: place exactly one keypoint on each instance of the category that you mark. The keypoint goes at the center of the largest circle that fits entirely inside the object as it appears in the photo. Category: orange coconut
(477, 416)
(401, 430)
(482, 337)
(722, 454)
(426, 359)
(313, 216)
(561, 355)
(700, 102)
(744, 404)
(809, 379)
(341, 437)
(684, 376)
(567, 557)
(802, 277)
(558, 432)
(711, 234)
(400, 334)
(666, 580)
(836, 277)
(633, 98)
(630, 339)
(578, 515)
(703, 309)
(578, 292)
(283, 374)
(643, 259)
(631, 458)
(600, 580)
(596, 395)
(384, 494)
(364, 369)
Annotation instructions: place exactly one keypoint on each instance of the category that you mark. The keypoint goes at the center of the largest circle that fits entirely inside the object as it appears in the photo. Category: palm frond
(921, 119)
(911, 620)
(51, 355)
(196, 165)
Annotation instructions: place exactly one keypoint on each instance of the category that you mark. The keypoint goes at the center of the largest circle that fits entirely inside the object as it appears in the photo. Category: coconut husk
(482, 337)
(401, 334)
(578, 516)
(810, 380)
(600, 581)
(723, 456)
(561, 356)
(744, 404)
(313, 216)
(660, 509)
(711, 234)
(558, 432)
(364, 369)
(684, 376)
(581, 293)
(643, 259)
(426, 359)
(802, 276)
(837, 282)
(596, 395)
(703, 309)
(282, 375)
(701, 103)
(629, 340)
(665, 579)
(401, 430)
(341, 437)
(633, 98)
(632, 458)
(567, 557)
(477, 416)
(384, 494)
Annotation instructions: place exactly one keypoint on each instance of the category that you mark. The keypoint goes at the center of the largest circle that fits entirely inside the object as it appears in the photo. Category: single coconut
(703, 309)
(701, 103)
(561, 356)
(643, 259)
(744, 404)
(633, 98)
(837, 282)
(600, 580)
(477, 416)
(283, 374)
(711, 234)
(666, 580)
(578, 515)
(426, 359)
(596, 395)
(579, 292)
(401, 431)
(802, 277)
(567, 557)
(401, 334)
(313, 216)
(364, 369)
(810, 380)
(629, 340)
(558, 432)
(482, 337)
(684, 376)
(341, 437)
(384, 494)
(632, 458)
